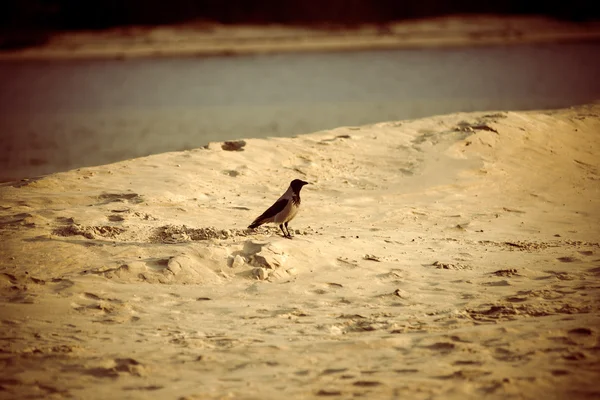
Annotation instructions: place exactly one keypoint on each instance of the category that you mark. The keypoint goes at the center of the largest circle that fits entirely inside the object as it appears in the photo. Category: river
(60, 115)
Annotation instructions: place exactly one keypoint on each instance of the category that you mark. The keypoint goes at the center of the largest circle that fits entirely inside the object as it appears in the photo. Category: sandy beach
(449, 257)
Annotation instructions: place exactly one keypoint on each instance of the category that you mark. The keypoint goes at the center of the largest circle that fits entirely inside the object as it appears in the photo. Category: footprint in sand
(395, 275)
(467, 362)
(346, 262)
(116, 218)
(563, 276)
(146, 388)
(92, 296)
(367, 383)
(65, 220)
(157, 264)
(9, 384)
(506, 272)
(510, 356)
(60, 284)
(502, 282)
(586, 253)
(117, 367)
(441, 347)
(22, 289)
(568, 259)
(581, 331)
(516, 299)
(17, 220)
(594, 271)
(105, 310)
(133, 198)
(231, 173)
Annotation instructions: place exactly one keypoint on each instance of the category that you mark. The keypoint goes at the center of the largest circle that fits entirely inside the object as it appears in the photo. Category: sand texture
(450, 257)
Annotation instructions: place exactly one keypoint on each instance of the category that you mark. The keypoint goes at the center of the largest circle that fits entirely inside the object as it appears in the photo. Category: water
(61, 115)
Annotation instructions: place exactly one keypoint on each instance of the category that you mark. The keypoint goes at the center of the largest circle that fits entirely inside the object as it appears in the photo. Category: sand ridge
(455, 256)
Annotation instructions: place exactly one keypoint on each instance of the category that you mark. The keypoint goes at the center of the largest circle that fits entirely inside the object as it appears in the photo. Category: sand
(449, 257)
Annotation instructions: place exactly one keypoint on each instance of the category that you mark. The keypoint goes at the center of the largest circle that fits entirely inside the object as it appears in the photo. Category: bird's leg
(285, 235)
(288, 230)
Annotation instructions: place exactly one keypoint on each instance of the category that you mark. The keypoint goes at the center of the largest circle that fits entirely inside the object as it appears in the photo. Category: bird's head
(297, 184)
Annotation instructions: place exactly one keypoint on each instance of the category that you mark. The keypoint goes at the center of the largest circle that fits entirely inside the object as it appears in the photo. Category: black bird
(284, 209)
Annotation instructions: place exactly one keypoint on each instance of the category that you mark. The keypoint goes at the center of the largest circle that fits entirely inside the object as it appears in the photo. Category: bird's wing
(270, 213)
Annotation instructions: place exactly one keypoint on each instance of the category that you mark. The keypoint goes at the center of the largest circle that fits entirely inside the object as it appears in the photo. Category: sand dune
(455, 256)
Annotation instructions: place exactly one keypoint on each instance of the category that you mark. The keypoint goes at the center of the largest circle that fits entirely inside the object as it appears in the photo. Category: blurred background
(40, 15)
(93, 82)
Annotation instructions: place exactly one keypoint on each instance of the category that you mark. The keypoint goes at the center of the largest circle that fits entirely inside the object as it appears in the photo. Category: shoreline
(219, 40)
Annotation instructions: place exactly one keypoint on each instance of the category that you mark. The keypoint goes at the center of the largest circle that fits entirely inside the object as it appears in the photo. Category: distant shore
(204, 39)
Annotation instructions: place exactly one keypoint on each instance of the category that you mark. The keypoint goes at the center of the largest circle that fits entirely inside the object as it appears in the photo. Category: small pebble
(238, 261)
(260, 273)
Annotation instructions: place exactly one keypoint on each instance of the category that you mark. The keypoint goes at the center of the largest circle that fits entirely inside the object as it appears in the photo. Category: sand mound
(182, 269)
(450, 257)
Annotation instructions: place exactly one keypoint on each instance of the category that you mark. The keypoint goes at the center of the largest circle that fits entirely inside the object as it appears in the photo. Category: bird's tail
(255, 224)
